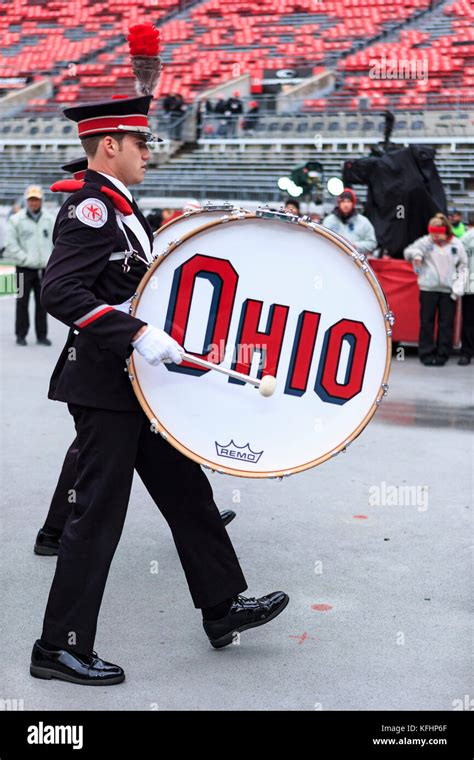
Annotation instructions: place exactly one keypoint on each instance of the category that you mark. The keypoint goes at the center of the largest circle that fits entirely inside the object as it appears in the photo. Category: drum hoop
(358, 259)
(195, 212)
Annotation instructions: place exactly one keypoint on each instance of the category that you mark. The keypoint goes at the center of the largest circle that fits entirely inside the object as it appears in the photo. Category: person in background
(440, 261)
(155, 219)
(29, 244)
(292, 206)
(455, 219)
(234, 108)
(251, 117)
(355, 227)
(467, 332)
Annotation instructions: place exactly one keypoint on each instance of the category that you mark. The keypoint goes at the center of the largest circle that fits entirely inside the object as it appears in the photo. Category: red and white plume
(144, 46)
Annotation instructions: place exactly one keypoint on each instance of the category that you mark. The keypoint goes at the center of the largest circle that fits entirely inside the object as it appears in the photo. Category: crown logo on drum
(232, 451)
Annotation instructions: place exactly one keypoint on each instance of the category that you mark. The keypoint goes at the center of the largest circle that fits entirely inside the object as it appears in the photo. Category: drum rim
(195, 212)
(358, 259)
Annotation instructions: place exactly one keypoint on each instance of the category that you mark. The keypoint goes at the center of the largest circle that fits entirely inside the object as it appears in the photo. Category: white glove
(156, 346)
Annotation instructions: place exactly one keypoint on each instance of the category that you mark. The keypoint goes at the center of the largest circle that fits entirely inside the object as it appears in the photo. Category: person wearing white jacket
(355, 227)
(467, 332)
(440, 261)
(29, 244)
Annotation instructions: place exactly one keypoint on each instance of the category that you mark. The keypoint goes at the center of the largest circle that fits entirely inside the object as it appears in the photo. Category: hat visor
(141, 132)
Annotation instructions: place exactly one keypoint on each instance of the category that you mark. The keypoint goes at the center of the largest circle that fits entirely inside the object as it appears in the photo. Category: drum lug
(168, 247)
(209, 206)
(384, 389)
(285, 475)
(390, 317)
(133, 298)
(127, 369)
(164, 435)
(264, 212)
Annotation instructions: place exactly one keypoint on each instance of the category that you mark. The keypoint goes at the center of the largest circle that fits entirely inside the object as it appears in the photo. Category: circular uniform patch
(92, 212)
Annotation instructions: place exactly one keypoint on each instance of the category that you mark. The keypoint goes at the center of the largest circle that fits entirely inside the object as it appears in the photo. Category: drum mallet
(265, 386)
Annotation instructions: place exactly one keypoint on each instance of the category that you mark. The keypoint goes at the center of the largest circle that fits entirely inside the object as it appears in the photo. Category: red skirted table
(400, 285)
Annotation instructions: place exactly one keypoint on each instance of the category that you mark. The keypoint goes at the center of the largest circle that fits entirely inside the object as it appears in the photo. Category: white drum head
(329, 345)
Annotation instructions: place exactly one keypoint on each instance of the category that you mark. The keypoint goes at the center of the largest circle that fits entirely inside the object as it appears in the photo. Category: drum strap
(131, 253)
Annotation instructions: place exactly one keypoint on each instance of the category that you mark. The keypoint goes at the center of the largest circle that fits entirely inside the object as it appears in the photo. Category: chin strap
(71, 185)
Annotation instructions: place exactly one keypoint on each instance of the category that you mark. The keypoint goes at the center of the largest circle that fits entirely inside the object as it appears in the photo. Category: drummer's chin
(139, 177)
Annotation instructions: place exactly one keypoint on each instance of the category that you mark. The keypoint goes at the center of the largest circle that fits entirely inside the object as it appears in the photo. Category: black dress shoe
(44, 342)
(75, 668)
(243, 614)
(427, 361)
(47, 542)
(439, 361)
(464, 360)
(227, 516)
(21, 342)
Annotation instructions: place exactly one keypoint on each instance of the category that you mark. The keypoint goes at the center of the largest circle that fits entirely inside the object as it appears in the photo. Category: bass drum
(264, 293)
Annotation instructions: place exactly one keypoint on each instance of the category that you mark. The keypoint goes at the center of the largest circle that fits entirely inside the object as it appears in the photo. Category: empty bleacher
(231, 172)
(430, 63)
(82, 43)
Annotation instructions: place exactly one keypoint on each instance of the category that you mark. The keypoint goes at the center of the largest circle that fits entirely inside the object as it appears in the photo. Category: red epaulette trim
(71, 185)
(67, 186)
(120, 203)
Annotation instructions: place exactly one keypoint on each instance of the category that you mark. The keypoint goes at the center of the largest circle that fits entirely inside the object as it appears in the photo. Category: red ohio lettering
(358, 337)
(250, 339)
(302, 353)
(223, 278)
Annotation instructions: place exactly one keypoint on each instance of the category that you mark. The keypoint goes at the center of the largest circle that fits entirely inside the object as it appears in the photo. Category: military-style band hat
(116, 115)
(77, 167)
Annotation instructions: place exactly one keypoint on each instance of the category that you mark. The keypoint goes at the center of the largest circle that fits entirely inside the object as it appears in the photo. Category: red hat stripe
(99, 124)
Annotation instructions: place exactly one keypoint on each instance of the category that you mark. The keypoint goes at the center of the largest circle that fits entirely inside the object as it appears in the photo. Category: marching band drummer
(102, 245)
(49, 536)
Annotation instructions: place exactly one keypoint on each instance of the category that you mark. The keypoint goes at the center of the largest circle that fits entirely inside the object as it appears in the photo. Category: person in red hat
(355, 227)
(102, 250)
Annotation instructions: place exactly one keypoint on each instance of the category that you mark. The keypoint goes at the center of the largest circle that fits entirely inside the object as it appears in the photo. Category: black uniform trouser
(432, 303)
(111, 444)
(29, 280)
(467, 332)
(62, 501)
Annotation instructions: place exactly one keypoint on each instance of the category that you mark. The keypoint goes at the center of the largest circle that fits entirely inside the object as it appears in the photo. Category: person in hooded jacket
(355, 227)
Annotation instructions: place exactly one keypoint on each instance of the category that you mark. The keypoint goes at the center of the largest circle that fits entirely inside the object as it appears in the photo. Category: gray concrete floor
(397, 577)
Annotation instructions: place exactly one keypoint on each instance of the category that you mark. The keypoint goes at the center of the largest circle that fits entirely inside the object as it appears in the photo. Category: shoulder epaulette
(72, 185)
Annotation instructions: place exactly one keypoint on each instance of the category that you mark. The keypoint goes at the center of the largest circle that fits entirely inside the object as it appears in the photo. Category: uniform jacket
(29, 241)
(83, 286)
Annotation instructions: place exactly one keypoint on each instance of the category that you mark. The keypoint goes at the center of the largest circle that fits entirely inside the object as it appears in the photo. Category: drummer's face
(131, 160)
